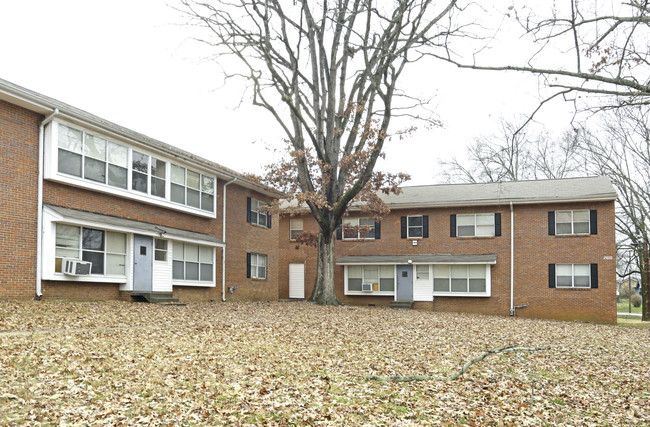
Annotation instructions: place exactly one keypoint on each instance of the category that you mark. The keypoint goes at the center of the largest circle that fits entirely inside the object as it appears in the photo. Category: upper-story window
(572, 222)
(295, 228)
(192, 188)
(258, 213)
(358, 228)
(97, 160)
(475, 225)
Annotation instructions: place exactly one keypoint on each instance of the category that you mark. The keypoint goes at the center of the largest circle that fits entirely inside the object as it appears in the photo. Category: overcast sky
(131, 62)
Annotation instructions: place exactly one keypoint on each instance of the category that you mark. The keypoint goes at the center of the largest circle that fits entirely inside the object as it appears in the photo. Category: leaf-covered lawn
(284, 363)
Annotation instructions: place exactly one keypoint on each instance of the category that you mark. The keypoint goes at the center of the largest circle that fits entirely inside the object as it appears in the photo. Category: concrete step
(162, 298)
(403, 305)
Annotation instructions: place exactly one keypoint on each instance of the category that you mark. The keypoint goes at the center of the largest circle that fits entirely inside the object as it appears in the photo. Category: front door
(404, 283)
(142, 263)
(297, 281)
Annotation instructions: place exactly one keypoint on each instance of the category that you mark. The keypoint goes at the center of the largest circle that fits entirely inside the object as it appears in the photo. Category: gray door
(142, 263)
(404, 283)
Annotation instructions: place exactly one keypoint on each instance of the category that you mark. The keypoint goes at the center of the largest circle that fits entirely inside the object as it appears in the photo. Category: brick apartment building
(482, 248)
(91, 210)
(142, 215)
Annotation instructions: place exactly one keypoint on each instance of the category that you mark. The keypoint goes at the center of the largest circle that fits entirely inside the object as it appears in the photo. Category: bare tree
(606, 41)
(515, 154)
(328, 72)
(621, 150)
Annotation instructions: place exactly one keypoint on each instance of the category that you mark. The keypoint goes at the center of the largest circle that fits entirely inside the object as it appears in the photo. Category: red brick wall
(534, 250)
(243, 237)
(83, 291)
(18, 200)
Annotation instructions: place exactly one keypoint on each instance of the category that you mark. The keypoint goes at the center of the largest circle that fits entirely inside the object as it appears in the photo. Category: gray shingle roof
(145, 227)
(519, 192)
(427, 259)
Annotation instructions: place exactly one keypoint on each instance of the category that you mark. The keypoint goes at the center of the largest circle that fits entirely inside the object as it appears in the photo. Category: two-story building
(91, 210)
(535, 248)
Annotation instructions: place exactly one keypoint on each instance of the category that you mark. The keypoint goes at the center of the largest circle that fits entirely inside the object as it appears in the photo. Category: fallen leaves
(298, 363)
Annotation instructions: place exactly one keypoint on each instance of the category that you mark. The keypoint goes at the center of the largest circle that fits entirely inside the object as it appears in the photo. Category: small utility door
(297, 281)
(142, 263)
(404, 283)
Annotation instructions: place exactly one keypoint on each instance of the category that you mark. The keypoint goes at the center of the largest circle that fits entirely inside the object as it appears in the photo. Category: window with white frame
(422, 272)
(295, 228)
(475, 225)
(192, 262)
(257, 267)
(192, 188)
(381, 275)
(105, 249)
(259, 212)
(358, 228)
(160, 250)
(572, 222)
(415, 226)
(97, 160)
(459, 279)
(89, 156)
(573, 275)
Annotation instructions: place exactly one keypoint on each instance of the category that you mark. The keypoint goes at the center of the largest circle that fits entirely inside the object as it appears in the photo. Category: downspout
(512, 260)
(223, 257)
(39, 217)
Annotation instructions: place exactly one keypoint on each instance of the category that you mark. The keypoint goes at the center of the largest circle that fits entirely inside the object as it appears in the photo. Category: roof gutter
(223, 239)
(39, 218)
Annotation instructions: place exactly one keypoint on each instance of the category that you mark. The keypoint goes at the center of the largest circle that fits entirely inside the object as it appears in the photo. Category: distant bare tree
(513, 155)
(621, 150)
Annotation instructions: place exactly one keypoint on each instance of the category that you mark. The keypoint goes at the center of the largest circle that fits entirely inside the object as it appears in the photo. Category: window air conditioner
(366, 287)
(76, 267)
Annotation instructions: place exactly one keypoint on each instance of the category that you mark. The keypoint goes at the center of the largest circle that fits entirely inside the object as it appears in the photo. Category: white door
(297, 281)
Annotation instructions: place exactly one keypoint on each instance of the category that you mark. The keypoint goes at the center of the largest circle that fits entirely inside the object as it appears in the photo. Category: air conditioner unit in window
(76, 267)
(366, 287)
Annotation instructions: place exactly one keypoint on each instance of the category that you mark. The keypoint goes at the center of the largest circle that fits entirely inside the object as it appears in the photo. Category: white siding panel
(162, 272)
(423, 289)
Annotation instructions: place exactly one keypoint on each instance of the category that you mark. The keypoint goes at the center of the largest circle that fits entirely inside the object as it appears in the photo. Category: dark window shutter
(594, 276)
(248, 264)
(248, 209)
(425, 226)
(551, 275)
(593, 221)
(497, 224)
(339, 234)
(452, 225)
(403, 221)
(268, 219)
(377, 229)
(551, 223)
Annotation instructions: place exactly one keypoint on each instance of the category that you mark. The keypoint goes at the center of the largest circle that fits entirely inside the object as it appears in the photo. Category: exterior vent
(366, 287)
(76, 267)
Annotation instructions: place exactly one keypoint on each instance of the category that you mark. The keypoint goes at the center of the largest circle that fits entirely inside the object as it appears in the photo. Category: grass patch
(624, 307)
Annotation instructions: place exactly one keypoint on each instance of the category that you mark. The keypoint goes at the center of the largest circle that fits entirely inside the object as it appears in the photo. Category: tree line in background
(331, 73)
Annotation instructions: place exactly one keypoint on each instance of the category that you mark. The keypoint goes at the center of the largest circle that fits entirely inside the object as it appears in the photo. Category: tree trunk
(323, 292)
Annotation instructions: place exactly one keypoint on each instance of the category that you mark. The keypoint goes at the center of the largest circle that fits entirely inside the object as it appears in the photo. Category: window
(460, 279)
(572, 222)
(160, 249)
(97, 160)
(381, 275)
(415, 226)
(192, 188)
(258, 213)
(422, 272)
(475, 225)
(295, 228)
(257, 266)
(105, 249)
(94, 158)
(572, 275)
(192, 262)
(358, 228)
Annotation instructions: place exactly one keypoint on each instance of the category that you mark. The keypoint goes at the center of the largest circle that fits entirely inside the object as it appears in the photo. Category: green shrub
(636, 300)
